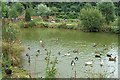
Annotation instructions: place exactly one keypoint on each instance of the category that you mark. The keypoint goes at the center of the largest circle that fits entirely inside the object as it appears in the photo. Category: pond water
(66, 42)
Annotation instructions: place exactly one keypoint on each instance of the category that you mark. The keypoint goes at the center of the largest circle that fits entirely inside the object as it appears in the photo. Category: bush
(117, 31)
(63, 25)
(43, 24)
(9, 34)
(91, 19)
(38, 20)
(21, 24)
(27, 16)
(32, 24)
(11, 52)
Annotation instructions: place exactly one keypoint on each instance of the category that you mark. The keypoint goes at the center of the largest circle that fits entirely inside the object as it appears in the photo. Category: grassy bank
(11, 52)
(75, 24)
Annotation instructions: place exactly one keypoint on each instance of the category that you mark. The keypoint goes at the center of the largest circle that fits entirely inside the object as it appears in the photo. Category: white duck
(89, 63)
(68, 54)
(101, 63)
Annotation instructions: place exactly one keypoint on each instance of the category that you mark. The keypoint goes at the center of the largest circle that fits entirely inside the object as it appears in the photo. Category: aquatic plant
(51, 70)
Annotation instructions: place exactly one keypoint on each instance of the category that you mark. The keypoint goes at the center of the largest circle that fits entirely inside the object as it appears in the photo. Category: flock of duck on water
(88, 63)
(97, 55)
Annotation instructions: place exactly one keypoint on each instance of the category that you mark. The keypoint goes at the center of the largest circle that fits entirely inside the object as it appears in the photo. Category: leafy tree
(87, 5)
(91, 19)
(4, 10)
(19, 7)
(0, 10)
(54, 9)
(43, 9)
(119, 21)
(27, 15)
(13, 12)
(32, 11)
(75, 8)
(108, 10)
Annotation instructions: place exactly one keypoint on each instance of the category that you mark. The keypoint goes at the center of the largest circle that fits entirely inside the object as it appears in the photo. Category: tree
(43, 9)
(13, 12)
(87, 5)
(54, 9)
(0, 10)
(27, 15)
(4, 10)
(91, 19)
(108, 10)
(19, 7)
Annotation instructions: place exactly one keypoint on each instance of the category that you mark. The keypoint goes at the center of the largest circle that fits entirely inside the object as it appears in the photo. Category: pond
(67, 42)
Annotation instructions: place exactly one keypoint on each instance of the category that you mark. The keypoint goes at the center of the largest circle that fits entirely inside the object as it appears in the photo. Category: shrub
(27, 16)
(62, 25)
(21, 24)
(117, 31)
(37, 20)
(43, 24)
(31, 24)
(9, 34)
(11, 53)
(91, 19)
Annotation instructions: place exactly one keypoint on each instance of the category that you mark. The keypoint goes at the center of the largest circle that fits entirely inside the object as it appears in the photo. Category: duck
(28, 48)
(59, 53)
(76, 58)
(29, 59)
(88, 63)
(7, 70)
(37, 55)
(105, 49)
(38, 51)
(27, 54)
(97, 55)
(72, 63)
(68, 54)
(41, 41)
(94, 45)
(109, 55)
(101, 63)
(75, 51)
(112, 58)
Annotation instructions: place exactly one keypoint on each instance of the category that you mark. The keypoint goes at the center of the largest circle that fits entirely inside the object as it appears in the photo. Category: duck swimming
(72, 63)
(109, 55)
(97, 55)
(101, 63)
(38, 50)
(112, 58)
(89, 63)
(28, 48)
(68, 54)
(76, 58)
(75, 51)
(94, 45)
